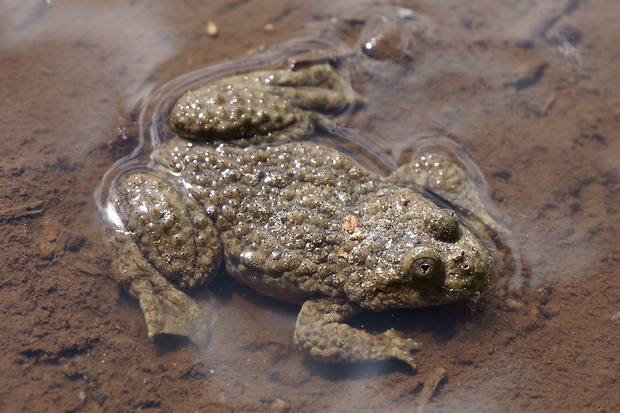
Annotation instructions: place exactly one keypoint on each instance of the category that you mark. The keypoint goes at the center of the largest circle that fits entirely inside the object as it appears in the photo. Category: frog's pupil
(425, 267)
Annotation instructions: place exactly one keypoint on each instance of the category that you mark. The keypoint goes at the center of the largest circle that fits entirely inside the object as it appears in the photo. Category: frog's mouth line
(415, 297)
(452, 279)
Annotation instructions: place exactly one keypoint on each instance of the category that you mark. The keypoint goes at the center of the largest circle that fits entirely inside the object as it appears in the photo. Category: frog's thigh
(322, 333)
(142, 211)
(169, 228)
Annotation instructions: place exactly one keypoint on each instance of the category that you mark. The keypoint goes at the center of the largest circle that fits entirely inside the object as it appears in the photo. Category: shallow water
(529, 90)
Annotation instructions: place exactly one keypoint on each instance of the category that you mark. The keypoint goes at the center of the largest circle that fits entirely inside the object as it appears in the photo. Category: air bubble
(391, 34)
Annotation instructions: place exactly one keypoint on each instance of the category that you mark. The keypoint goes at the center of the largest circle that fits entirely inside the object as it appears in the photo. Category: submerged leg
(322, 333)
(317, 87)
(166, 309)
(162, 240)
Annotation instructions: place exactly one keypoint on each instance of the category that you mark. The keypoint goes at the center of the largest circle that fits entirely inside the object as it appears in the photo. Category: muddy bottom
(528, 88)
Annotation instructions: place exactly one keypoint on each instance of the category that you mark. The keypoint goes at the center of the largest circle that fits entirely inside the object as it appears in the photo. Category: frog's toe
(407, 358)
(402, 347)
(170, 311)
(401, 342)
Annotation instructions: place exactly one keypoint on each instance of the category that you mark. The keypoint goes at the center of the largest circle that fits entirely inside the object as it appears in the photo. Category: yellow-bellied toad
(293, 219)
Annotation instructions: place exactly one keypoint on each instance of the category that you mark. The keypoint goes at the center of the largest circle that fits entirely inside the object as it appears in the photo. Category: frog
(241, 188)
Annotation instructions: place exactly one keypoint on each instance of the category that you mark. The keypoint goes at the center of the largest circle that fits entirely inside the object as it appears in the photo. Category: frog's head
(434, 260)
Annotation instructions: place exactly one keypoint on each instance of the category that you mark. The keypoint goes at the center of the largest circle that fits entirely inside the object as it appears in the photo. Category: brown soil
(529, 88)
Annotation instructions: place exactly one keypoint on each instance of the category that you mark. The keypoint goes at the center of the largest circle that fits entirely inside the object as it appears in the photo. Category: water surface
(529, 90)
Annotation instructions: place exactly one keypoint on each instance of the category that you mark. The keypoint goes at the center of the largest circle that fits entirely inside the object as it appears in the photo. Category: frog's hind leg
(318, 87)
(322, 333)
(161, 240)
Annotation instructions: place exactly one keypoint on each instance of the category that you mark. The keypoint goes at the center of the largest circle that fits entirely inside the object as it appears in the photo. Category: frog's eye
(423, 265)
(424, 268)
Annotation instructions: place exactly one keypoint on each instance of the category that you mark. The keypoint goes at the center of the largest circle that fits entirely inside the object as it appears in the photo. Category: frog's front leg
(322, 333)
(161, 240)
(436, 173)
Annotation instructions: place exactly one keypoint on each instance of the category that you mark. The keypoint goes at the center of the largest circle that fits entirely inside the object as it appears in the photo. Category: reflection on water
(527, 90)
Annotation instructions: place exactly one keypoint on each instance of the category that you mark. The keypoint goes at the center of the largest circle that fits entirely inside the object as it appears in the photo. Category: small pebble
(212, 29)
(514, 304)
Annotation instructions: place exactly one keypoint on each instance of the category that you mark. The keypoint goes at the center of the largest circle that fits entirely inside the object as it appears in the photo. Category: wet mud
(527, 88)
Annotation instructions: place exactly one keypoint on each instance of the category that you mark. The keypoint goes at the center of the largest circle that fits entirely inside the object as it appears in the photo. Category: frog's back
(281, 210)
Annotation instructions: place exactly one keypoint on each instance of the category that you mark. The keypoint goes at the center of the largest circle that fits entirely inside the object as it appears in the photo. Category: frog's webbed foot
(263, 106)
(319, 90)
(436, 173)
(160, 241)
(322, 333)
(317, 87)
(169, 311)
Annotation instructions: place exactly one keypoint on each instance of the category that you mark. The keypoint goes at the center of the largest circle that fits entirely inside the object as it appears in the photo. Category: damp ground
(528, 88)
